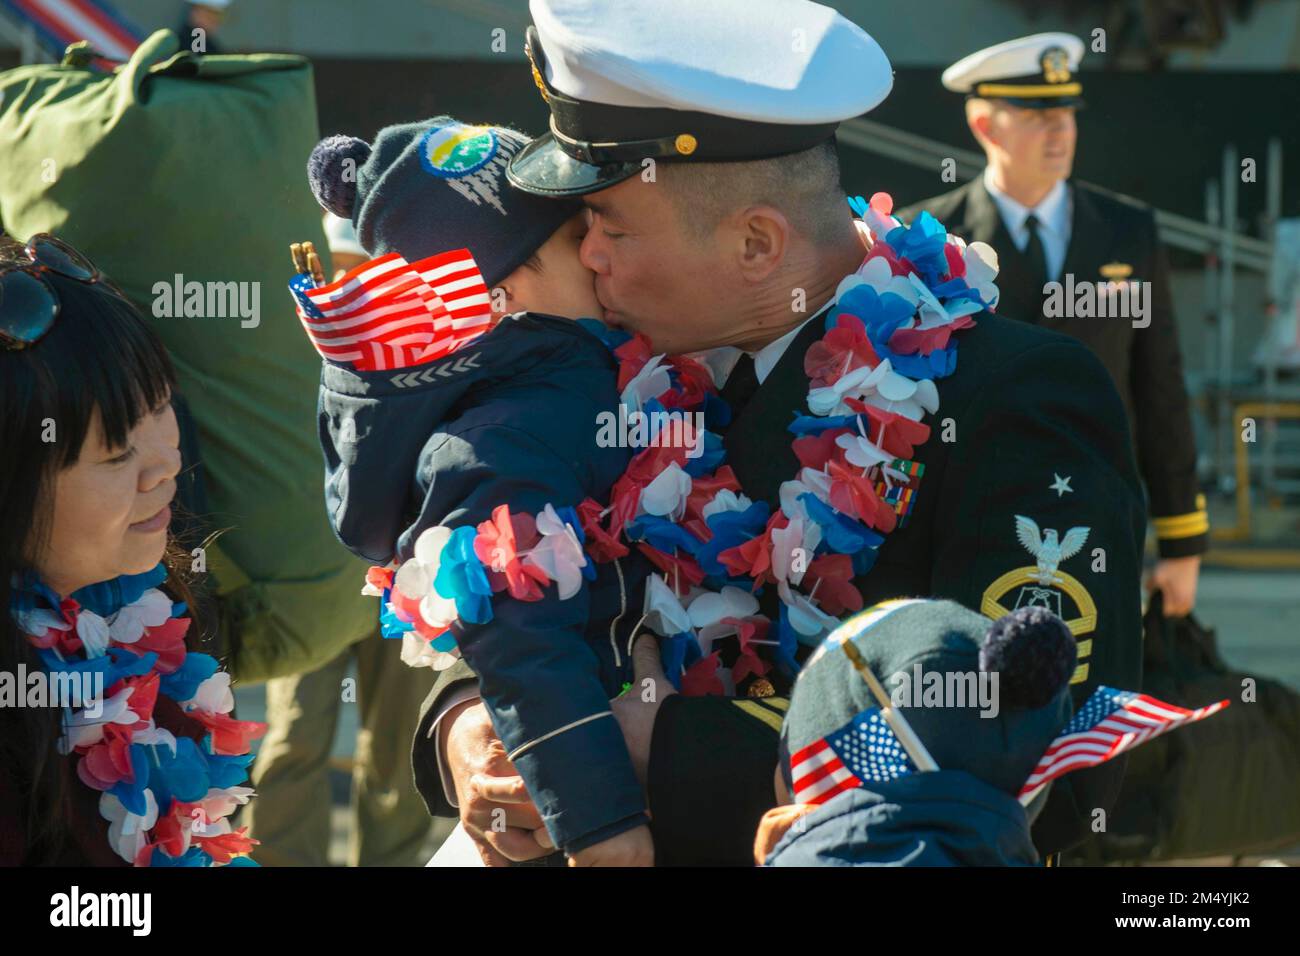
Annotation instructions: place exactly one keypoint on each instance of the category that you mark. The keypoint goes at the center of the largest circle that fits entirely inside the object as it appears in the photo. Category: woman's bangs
(102, 356)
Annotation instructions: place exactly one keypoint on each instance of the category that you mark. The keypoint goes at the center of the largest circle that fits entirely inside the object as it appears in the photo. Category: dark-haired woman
(117, 744)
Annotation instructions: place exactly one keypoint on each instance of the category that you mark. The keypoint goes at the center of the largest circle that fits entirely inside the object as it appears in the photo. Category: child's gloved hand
(630, 848)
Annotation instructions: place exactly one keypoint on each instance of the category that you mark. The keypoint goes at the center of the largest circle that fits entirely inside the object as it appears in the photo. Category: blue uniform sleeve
(539, 678)
(1070, 470)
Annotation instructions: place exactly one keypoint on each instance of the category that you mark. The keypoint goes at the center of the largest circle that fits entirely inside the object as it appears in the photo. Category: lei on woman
(888, 336)
(166, 798)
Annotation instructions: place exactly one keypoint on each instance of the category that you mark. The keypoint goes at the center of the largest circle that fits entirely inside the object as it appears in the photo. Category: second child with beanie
(921, 733)
(511, 422)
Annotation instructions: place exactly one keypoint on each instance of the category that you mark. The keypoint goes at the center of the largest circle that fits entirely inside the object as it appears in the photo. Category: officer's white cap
(773, 61)
(1020, 60)
(689, 80)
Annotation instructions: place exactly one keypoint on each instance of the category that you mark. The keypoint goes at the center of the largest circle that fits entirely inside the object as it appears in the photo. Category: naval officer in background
(1021, 98)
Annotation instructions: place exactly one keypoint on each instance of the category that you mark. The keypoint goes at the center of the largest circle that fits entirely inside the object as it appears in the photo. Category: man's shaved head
(804, 186)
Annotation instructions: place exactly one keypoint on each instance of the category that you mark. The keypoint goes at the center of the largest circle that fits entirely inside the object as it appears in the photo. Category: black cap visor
(544, 169)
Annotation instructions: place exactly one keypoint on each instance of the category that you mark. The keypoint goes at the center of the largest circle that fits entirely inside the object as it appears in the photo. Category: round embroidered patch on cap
(457, 150)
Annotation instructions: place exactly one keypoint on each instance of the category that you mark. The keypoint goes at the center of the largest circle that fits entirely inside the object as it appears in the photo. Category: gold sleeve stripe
(1188, 518)
(780, 703)
(1080, 674)
(1182, 526)
(760, 713)
(1045, 89)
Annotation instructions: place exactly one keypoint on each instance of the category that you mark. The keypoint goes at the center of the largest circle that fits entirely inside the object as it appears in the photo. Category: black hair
(101, 358)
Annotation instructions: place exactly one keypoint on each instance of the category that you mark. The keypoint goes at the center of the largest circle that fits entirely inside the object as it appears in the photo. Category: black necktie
(1035, 254)
(741, 384)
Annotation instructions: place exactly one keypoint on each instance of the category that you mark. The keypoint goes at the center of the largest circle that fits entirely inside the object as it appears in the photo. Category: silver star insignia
(1060, 485)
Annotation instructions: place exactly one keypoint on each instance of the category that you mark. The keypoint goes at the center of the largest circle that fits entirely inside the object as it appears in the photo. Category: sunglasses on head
(29, 304)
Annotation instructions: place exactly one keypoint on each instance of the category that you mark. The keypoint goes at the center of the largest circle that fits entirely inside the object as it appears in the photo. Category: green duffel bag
(183, 177)
(1227, 786)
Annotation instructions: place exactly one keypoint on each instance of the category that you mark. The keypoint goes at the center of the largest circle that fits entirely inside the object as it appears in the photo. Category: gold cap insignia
(1056, 65)
(537, 76)
(1116, 270)
(685, 144)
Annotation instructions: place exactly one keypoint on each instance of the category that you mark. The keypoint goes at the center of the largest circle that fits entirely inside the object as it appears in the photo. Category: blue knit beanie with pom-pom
(930, 654)
(424, 188)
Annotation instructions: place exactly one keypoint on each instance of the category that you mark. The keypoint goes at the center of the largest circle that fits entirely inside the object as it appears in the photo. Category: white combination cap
(1037, 71)
(716, 81)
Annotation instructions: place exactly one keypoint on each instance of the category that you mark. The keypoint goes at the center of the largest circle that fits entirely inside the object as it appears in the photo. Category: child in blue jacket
(509, 419)
(981, 724)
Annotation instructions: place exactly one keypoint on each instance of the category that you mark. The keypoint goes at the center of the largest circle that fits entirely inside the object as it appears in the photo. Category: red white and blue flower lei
(888, 336)
(166, 798)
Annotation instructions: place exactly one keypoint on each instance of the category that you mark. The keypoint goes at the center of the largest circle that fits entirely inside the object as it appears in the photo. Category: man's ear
(764, 236)
(981, 126)
(979, 119)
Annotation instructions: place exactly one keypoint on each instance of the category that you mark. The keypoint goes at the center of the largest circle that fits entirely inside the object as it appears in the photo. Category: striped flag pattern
(61, 22)
(864, 750)
(390, 314)
(1110, 722)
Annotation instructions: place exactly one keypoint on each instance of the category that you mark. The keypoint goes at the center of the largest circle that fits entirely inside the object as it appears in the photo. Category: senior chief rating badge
(1044, 584)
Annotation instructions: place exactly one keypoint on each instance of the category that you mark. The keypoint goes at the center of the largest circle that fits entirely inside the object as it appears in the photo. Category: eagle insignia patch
(1045, 585)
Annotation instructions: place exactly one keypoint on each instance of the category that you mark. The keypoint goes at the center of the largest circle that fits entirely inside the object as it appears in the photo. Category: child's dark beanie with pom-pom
(929, 655)
(424, 188)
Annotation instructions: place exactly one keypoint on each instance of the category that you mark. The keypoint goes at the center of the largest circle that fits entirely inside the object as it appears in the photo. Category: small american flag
(1110, 722)
(61, 22)
(389, 314)
(863, 750)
